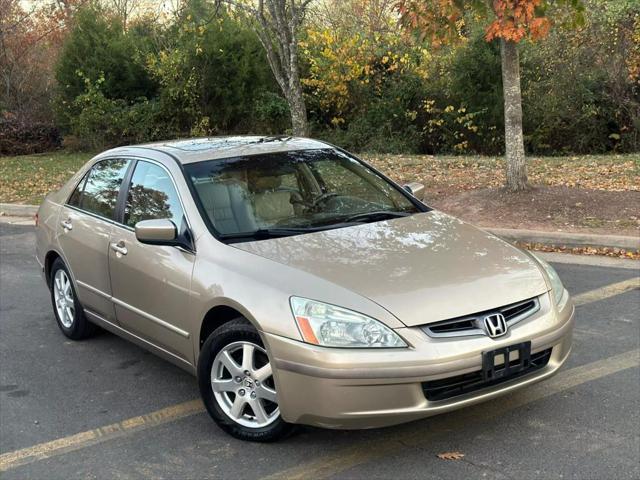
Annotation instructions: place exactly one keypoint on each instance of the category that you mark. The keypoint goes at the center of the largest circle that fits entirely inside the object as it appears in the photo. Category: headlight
(559, 293)
(331, 326)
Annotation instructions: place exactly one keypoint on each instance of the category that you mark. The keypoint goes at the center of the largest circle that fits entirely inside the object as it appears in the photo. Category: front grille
(472, 324)
(512, 311)
(454, 326)
(446, 388)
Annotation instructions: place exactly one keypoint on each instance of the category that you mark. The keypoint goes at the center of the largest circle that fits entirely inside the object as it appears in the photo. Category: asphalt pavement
(104, 408)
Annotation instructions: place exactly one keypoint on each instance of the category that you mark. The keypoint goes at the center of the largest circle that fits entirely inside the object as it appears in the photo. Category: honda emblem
(495, 325)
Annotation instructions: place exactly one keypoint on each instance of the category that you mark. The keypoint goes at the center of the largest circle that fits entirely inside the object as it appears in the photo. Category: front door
(84, 230)
(150, 283)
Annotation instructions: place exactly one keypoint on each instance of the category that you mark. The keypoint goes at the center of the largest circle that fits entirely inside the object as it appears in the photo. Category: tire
(66, 306)
(231, 406)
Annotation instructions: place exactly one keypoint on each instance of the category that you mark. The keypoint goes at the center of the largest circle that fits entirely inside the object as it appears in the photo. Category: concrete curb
(18, 210)
(562, 239)
(558, 239)
(591, 260)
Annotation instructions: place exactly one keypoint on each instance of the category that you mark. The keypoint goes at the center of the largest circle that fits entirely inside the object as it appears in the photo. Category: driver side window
(152, 195)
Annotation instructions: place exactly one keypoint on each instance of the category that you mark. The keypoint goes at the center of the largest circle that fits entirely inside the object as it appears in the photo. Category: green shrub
(236, 78)
(467, 79)
(455, 130)
(271, 113)
(210, 65)
(578, 94)
(103, 122)
(385, 121)
(203, 73)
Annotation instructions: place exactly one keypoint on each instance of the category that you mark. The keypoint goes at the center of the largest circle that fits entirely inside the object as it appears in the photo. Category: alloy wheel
(63, 296)
(243, 385)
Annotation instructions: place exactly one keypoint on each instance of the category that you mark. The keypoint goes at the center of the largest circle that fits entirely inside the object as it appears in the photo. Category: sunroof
(200, 144)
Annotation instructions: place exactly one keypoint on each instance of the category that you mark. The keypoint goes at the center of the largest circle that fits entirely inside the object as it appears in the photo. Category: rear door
(151, 283)
(85, 225)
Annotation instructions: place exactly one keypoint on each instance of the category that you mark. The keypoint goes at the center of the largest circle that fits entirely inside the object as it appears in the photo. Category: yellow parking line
(335, 463)
(607, 291)
(342, 460)
(98, 435)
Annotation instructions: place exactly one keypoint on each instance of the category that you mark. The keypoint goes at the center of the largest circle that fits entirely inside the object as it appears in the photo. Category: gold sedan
(298, 283)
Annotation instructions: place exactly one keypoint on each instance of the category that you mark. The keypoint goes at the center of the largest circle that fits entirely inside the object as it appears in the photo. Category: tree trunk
(298, 110)
(516, 167)
(277, 25)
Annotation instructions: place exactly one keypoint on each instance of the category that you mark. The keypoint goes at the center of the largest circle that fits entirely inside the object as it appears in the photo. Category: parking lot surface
(104, 408)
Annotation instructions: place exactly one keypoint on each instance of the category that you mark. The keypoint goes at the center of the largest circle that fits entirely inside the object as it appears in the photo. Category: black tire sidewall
(234, 331)
(80, 328)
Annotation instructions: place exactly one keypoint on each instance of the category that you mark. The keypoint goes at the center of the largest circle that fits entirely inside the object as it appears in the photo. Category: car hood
(422, 268)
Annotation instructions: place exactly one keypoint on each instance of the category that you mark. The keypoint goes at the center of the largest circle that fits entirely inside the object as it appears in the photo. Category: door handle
(66, 224)
(119, 247)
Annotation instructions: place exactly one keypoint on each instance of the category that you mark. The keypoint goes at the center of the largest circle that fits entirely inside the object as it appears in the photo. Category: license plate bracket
(491, 371)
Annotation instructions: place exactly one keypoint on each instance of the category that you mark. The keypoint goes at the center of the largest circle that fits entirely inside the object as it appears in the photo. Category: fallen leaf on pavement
(450, 455)
(604, 251)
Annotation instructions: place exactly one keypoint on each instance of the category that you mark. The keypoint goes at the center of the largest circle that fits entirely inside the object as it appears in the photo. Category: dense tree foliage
(213, 72)
(201, 70)
(510, 21)
(202, 73)
(277, 24)
(98, 46)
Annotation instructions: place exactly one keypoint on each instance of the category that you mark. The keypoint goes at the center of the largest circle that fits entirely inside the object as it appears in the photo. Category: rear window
(98, 194)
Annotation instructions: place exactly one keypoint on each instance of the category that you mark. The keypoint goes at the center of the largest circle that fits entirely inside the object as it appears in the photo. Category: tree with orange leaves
(510, 22)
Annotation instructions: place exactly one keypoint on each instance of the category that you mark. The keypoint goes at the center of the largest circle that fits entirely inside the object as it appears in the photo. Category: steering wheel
(322, 198)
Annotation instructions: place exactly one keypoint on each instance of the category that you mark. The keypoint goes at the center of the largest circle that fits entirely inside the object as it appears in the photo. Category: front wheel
(237, 386)
(66, 306)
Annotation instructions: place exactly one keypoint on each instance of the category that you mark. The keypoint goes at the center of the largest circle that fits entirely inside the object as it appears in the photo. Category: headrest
(260, 184)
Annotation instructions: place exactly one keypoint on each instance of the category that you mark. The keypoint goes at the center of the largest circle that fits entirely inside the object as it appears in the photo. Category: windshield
(285, 193)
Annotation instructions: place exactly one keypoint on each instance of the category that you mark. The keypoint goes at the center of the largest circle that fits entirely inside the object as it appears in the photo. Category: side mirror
(416, 189)
(157, 232)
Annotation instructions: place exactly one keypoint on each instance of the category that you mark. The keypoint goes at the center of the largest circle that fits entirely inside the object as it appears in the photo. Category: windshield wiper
(375, 216)
(265, 233)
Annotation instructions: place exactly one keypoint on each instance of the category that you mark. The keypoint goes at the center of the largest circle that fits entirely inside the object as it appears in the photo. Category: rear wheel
(66, 307)
(237, 386)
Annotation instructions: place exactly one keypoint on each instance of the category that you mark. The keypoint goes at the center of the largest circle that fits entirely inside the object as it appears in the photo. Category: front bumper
(340, 388)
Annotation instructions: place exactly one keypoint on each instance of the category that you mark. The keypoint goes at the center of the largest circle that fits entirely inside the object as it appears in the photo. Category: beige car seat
(227, 205)
(270, 205)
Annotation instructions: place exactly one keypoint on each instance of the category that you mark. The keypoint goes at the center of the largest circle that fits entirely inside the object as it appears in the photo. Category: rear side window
(152, 195)
(101, 188)
(74, 199)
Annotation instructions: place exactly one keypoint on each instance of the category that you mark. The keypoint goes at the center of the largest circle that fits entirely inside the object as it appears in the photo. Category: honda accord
(298, 283)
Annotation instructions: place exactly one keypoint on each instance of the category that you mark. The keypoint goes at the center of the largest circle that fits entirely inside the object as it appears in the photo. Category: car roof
(211, 148)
